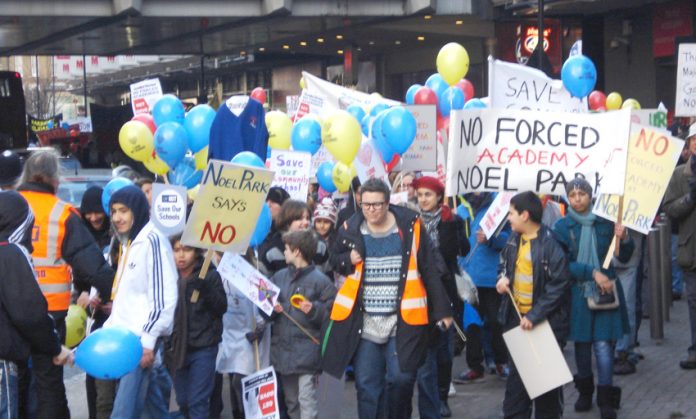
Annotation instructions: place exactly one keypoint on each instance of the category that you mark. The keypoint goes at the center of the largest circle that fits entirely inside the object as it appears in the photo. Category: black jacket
(80, 251)
(25, 325)
(453, 243)
(552, 281)
(342, 337)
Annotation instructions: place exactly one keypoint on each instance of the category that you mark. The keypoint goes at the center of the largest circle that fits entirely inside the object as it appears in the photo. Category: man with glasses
(380, 318)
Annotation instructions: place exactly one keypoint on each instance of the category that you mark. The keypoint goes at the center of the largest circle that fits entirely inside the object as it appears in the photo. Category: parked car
(71, 187)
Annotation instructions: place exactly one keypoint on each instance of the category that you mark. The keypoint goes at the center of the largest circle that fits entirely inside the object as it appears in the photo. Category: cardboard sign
(652, 156)
(496, 214)
(260, 395)
(685, 102)
(516, 150)
(227, 207)
(168, 210)
(368, 163)
(422, 154)
(259, 289)
(538, 358)
(144, 95)
(516, 86)
(292, 172)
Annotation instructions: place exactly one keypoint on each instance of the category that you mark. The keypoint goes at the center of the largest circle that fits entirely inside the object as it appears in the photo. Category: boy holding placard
(535, 273)
(306, 296)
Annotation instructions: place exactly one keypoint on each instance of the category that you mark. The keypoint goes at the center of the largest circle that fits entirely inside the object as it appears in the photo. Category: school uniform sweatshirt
(231, 134)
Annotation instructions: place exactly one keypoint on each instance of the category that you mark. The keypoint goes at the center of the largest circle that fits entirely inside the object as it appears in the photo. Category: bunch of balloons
(599, 102)
(162, 139)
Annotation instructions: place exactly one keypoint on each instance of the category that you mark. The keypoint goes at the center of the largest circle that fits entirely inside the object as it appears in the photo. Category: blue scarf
(587, 247)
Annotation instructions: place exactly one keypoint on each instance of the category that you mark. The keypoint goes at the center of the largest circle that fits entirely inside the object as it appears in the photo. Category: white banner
(292, 172)
(516, 150)
(260, 395)
(686, 81)
(144, 95)
(256, 287)
(516, 86)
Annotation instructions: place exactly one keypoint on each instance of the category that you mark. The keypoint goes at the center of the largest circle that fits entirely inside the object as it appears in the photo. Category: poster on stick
(517, 150)
(260, 395)
(234, 269)
(652, 156)
(685, 102)
(168, 211)
(292, 172)
(496, 214)
(227, 207)
(144, 95)
(516, 86)
(368, 163)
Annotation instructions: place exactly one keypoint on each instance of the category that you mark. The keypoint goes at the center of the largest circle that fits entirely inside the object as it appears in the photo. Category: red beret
(431, 183)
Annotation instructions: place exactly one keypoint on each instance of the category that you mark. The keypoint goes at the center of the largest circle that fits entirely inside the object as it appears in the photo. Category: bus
(13, 119)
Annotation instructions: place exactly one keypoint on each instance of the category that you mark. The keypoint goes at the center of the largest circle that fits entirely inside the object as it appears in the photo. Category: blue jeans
(604, 356)
(628, 277)
(144, 391)
(194, 382)
(9, 394)
(382, 386)
(428, 397)
(677, 275)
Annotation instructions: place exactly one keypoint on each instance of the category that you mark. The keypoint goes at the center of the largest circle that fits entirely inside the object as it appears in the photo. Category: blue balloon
(110, 188)
(474, 103)
(65, 126)
(185, 173)
(437, 84)
(365, 123)
(399, 129)
(579, 75)
(50, 124)
(325, 176)
(411, 93)
(263, 226)
(452, 98)
(197, 123)
(306, 135)
(357, 111)
(378, 108)
(109, 353)
(171, 142)
(168, 109)
(385, 149)
(248, 158)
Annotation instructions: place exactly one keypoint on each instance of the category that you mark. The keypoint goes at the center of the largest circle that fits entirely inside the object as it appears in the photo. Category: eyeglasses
(373, 205)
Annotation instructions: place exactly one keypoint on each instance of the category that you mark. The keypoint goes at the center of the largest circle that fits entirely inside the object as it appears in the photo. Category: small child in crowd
(307, 296)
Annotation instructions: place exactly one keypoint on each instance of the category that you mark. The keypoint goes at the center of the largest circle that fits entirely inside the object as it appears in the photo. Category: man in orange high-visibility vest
(62, 246)
(392, 298)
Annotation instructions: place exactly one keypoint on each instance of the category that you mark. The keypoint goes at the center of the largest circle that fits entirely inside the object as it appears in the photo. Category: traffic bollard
(656, 326)
(666, 266)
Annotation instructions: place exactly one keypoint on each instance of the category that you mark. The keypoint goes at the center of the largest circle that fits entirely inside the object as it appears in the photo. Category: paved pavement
(659, 390)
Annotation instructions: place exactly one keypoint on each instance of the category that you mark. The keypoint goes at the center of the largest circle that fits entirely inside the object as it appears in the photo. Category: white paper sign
(168, 211)
(259, 289)
(538, 358)
(368, 163)
(517, 150)
(422, 154)
(686, 81)
(398, 198)
(292, 172)
(516, 86)
(320, 157)
(260, 395)
(496, 213)
(144, 95)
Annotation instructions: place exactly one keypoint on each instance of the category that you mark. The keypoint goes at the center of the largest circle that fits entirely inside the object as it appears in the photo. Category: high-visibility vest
(414, 300)
(52, 272)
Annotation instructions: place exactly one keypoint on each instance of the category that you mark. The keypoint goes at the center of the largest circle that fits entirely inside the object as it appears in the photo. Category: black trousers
(489, 303)
(517, 404)
(48, 381)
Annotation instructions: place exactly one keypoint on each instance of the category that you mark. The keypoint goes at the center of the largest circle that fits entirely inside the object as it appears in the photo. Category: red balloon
(146, 119)
(467, 88)
(259, 94)
(601, 109)
(443, 122)
(597, 99)
(393, 163)
(425, 96)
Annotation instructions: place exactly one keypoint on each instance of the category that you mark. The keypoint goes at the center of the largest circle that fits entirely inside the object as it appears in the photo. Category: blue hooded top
(132, 197)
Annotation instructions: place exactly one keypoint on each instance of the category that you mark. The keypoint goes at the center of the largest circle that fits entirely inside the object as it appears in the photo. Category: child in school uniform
(535, 273)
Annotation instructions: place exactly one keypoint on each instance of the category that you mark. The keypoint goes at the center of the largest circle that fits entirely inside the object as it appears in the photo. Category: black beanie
(92, 200)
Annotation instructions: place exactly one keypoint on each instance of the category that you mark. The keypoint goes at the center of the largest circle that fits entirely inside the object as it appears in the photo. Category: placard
(422, 154)
(686, 81)
(650, 117)
(168, 209)
(234, 269)
(517, 150)
(368, 163)
(144, 95)
(227, 207)
(260, 395)
(292, 172)
(496, 214)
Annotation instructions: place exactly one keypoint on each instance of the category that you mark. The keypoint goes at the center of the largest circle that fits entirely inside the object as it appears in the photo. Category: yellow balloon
(193, 192)
(630, 103)
(75, 325)
(341, 176)
(353, 170)
(156, 166)
(136, 140)
(614, 101)
(376, 95)
(341, 135)
(302, 83)
(279, 127)
(452, 62)
(201, 159)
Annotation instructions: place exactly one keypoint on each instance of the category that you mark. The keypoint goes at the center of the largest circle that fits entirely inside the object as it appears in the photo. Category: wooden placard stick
(614, 246)
(299, 326)
(204, 271)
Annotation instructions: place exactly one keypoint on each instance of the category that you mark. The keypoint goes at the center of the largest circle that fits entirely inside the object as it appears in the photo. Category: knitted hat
(429, 182)
(579, 183)
(278, 195)
(325, 210)
(91, 200)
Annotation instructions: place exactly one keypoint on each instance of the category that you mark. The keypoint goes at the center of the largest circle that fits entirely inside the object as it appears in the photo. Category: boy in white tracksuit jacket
(144, 299)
